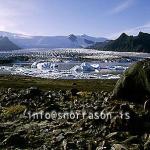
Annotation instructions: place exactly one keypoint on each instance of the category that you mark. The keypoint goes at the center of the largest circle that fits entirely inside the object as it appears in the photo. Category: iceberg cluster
(85, 70)
(56, 74)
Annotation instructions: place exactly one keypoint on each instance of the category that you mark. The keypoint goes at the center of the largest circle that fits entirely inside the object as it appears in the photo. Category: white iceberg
(34, 65)
(118, 68)
(86, 67)
(44, 65)
(96, 66)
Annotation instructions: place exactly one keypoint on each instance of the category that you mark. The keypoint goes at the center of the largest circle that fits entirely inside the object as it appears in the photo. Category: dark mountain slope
(7, 45)
(125, 43)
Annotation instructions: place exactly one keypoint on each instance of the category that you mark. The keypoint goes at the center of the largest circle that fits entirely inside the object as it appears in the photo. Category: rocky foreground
(20, 128)
(75, 118)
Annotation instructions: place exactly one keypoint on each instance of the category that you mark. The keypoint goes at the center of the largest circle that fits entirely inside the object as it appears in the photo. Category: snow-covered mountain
(71, 41)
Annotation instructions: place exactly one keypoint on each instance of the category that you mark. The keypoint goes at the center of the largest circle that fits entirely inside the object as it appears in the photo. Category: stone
(118, 147)
(33, 91)
(147, 106)
(134, 85)
(111, 135)
(64, 144)
(60, 137)
(103, 145)
(147, 144)
(132, 139)
(71, 146)
(16, 140)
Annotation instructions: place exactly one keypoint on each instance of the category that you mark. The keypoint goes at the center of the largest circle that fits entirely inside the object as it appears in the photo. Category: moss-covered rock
(134, 85)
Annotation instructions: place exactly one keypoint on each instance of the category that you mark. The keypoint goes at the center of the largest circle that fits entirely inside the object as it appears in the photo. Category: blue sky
(107, 18)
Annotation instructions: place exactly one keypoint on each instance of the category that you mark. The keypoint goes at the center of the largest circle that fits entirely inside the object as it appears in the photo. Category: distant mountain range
(125, 43)
(70, 41)
(6, 44)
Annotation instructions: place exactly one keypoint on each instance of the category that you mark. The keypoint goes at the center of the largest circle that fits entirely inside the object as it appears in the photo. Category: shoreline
(16, 81)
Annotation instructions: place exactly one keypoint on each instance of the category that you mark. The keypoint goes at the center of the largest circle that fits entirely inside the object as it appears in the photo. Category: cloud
(143, 28)
(122, 6)
(133, 31)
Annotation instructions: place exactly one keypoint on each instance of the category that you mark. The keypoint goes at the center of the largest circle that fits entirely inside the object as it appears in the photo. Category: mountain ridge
(125, 43)
(70, 41)
(7, 45)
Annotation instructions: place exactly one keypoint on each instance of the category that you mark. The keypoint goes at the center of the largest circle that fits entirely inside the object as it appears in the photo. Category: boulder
(134, 85)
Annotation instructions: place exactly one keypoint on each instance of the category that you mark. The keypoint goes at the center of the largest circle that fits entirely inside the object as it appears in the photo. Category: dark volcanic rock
(16, 140)
(33, 91)
(147, 144)
(134, 85)
(19, 129)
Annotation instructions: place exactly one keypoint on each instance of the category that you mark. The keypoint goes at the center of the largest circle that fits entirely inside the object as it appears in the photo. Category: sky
(100, 18)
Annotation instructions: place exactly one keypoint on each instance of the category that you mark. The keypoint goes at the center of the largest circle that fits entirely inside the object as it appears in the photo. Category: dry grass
(13, 110)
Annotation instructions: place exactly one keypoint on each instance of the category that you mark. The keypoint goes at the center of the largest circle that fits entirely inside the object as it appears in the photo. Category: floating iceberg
(34, 65)
(44, 65)
(86, 67)
(118, 68)
(66, 74)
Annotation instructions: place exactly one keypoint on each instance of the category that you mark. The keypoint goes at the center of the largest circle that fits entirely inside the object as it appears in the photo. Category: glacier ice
(85, 67)
(44, 65)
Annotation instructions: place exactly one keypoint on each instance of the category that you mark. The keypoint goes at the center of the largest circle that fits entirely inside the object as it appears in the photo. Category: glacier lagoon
(68, 63)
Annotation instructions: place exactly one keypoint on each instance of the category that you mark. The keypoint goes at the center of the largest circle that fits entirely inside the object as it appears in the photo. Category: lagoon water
(70, 63)
(66, 70)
